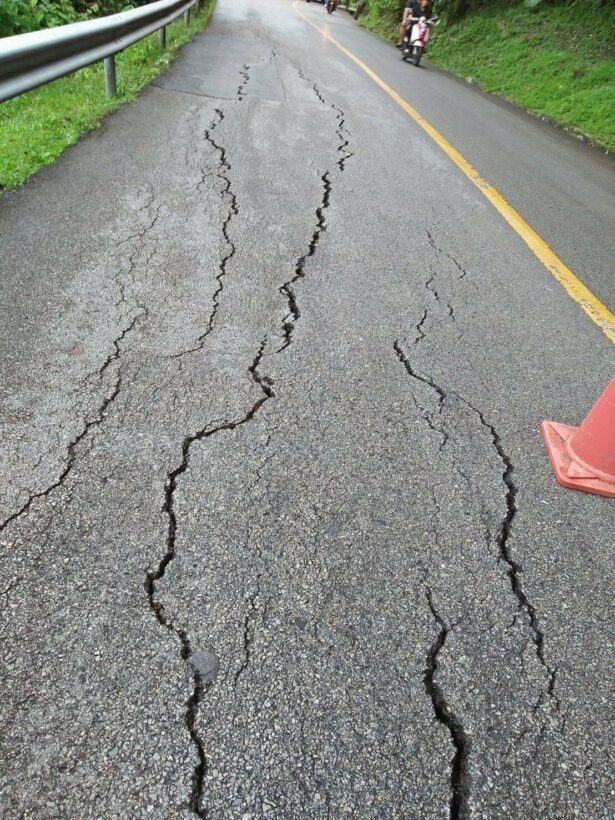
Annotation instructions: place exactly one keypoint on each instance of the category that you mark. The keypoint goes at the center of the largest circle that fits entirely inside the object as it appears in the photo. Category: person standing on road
(414, 9)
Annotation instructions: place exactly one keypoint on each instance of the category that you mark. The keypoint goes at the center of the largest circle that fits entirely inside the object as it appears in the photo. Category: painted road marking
(582, 295)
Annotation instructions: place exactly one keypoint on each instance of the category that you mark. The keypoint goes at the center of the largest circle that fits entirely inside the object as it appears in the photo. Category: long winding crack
(462, 271)
(265, 383)
(154, 576)
(441, 395)
(419, 328)
(241, 91)
(224, 168)
(141, 236)
(431, 287)
(315, 89)
(459, 777)
(248, 633)
(514, 569)
(429, 284)
(342, 131)
(287, 289)
(98, 375)
(95, 421)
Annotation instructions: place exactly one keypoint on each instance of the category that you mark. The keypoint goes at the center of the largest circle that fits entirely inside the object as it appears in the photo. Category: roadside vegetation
(19, 16)
(37, 126)
(555, 59)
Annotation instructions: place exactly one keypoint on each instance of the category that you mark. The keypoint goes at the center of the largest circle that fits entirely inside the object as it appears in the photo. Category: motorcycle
(416, 38)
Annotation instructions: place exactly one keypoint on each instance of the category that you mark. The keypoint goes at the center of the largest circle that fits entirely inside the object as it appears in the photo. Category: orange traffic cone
(583, 458)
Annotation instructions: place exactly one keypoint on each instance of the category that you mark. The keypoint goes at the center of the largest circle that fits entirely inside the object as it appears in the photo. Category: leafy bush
(19, 16)
(388, 10)
(98, 8)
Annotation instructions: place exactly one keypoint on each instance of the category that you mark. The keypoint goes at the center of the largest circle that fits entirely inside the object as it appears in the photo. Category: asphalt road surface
(280, 537)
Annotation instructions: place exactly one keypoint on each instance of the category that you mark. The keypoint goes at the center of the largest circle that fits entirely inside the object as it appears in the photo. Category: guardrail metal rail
(31, 60)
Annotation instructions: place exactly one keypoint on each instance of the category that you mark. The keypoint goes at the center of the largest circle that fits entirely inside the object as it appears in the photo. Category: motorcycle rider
(413, 11)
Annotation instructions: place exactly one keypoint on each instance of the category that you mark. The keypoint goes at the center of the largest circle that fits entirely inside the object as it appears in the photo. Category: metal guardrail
(30, 60)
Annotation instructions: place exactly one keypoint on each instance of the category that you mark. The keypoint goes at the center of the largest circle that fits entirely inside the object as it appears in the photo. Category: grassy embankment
(36, 127)
(555, 61)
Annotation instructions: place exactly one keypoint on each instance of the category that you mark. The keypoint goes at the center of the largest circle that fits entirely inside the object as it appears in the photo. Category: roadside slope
(36, 127)
(546, 60)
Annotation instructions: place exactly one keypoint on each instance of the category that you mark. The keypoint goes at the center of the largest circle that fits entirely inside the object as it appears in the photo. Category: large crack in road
(287, 289)
(157, 574)
(98, 415)
(222, 173)
(346, 685)
(514, 569)
(459, 780)
(266, 384)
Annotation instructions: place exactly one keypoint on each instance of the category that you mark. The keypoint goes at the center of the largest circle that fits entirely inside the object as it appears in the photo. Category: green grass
(553, 61)
(36, 127)
(382, 20)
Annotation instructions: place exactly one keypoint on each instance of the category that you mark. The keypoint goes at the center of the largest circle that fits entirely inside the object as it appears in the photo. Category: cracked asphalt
(279, 534)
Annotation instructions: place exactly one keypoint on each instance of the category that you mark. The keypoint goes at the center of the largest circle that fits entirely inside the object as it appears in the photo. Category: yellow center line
(582, 295)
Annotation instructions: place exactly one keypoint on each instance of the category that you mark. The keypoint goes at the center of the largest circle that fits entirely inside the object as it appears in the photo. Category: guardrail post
(42, 56)
(110, 80)
(162, 37)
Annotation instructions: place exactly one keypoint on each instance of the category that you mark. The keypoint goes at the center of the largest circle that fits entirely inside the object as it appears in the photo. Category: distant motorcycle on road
(330, 5)
(416, 38)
